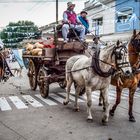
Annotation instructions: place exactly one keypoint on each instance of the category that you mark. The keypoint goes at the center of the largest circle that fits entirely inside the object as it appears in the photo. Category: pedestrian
(70, 20)
(95, 44)
(84, 21)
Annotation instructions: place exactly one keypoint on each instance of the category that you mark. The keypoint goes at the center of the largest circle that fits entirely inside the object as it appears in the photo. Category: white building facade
(107, 19)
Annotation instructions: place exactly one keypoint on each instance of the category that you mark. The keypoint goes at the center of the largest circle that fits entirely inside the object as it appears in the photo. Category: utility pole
(56, 11)
(55, 32)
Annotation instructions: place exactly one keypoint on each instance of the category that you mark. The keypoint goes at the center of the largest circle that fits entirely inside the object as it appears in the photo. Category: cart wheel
(43, 83)
(62, 84)
(32, 75)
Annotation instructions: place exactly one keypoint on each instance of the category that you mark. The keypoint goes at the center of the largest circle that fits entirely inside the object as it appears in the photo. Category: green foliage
(14, 33)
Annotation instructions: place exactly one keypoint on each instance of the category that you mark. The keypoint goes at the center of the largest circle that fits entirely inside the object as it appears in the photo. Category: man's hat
(69, 4)
(83, 12)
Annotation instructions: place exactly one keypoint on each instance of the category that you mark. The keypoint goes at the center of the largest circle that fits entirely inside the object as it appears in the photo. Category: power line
(33, 1)
(109, 7)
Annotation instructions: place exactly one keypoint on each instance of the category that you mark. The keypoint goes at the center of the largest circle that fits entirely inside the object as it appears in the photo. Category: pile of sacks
(36, 48)
(33, 49)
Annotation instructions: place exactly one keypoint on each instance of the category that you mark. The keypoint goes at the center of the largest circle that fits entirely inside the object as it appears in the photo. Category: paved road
(25, 115)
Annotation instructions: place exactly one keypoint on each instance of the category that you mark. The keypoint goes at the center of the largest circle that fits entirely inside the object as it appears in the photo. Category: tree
(14, 33)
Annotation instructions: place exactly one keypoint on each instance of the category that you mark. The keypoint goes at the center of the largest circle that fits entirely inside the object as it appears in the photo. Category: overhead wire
(33, 1)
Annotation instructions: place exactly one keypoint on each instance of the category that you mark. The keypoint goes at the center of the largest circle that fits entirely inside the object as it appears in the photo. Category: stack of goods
(33, 49)
(36, 48)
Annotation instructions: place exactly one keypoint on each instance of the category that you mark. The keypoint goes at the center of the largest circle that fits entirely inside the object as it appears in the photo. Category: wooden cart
(50, 67)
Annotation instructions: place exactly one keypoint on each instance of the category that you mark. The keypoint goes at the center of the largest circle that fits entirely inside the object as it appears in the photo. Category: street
(25, 115)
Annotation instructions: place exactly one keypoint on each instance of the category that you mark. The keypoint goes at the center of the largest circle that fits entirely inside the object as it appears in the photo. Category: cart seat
(71, 35)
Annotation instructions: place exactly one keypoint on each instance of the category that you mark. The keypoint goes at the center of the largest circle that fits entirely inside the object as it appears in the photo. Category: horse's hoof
(104, 109)
(76, 109)
(104, 120)
(111, 113)
(89, 120)
(132, 119)
(104, 123)
(100, 104)
(65, 103)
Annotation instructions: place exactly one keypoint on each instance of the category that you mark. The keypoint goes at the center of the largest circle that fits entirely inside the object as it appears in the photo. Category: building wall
(128, 24)
(112, 29)
(108, 15)
(108, 19)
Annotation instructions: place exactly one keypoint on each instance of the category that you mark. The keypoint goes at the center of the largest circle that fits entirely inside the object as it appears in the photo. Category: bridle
(119, 56)
(118, 66)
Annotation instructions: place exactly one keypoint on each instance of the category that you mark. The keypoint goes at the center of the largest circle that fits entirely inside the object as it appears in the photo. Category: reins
(88, 51)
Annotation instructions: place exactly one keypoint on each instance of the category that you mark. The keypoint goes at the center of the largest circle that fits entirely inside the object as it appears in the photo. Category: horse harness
(112, 70)
(95, 63)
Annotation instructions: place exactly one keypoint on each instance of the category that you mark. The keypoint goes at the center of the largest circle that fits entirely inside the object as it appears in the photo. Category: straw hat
(69, 4)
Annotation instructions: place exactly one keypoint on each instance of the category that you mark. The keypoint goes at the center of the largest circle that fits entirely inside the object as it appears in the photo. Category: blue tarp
(18, 57)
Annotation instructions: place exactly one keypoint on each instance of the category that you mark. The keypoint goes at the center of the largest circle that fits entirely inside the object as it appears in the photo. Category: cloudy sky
(41, 13)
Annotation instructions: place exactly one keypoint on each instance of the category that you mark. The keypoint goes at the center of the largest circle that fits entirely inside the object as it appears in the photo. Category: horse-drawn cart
(50, 67)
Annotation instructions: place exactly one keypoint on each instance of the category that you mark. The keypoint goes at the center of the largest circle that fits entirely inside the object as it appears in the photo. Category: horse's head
(135, 41)
(122, 64)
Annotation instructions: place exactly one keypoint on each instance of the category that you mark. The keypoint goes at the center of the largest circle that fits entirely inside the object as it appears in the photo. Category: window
(124, 15)
(97, 22)
(97, 25)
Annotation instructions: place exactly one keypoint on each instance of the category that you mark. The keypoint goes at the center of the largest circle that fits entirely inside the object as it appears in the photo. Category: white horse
(79, 69)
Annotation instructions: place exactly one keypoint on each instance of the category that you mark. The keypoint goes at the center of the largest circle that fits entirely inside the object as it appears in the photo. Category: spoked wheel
(62, 84)
(32, 73)
(43, 82)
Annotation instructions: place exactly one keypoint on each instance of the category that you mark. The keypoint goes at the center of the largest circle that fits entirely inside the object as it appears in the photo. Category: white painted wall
(108, 18)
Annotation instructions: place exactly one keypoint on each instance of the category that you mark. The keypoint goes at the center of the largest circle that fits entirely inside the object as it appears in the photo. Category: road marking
(47, 101)
(17, 102)
(4, 104)
(123, 96)
(96, 95)
(72, 97)
(32, 101)
(57, 98)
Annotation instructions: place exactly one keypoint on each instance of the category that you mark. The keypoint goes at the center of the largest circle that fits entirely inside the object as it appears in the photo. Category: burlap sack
(36, 51)
(29, 47)
(38, 45)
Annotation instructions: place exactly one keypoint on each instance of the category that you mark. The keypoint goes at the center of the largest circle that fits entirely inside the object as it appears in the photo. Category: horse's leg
(100, 99)
(106, 106)
(68, 87)
(118, 100)
(0, 74)
(131, 98)
(89, 103)
(77, 91)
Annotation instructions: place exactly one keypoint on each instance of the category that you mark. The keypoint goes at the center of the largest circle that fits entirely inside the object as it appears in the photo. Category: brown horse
(132, 82)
